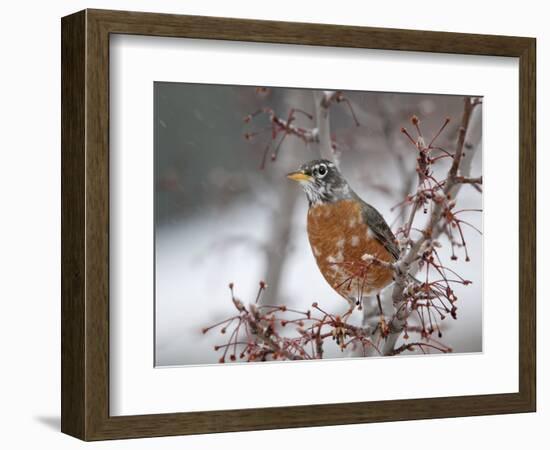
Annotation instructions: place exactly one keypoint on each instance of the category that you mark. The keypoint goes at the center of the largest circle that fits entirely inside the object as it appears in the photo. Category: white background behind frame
(30, 402)
(138, 388)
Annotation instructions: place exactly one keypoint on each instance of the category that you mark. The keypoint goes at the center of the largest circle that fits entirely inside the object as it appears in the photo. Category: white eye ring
(322, 170)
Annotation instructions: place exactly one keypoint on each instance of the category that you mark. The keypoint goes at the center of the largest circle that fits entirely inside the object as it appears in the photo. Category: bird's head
(322, 182)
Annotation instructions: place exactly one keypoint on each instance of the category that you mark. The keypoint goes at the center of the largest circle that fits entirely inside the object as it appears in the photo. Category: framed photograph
(270, 224)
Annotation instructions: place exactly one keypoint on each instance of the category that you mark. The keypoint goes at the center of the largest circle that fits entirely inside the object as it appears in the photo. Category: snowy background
(221, 219)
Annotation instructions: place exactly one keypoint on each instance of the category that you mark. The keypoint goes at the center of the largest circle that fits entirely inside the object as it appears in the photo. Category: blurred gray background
(220, 218)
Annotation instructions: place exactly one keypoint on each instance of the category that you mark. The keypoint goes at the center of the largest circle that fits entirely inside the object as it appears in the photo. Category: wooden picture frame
(85, 224)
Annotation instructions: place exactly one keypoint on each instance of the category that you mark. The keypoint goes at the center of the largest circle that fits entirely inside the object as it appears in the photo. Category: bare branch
(254, 333)
(442, 202)
(322, 101)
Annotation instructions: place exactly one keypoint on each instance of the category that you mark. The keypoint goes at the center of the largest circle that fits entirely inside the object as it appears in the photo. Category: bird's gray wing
(379, 228)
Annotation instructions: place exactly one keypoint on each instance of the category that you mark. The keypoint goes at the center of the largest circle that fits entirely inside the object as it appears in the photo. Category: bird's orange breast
(339, 237)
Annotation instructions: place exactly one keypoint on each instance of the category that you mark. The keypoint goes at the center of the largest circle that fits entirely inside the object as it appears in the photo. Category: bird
(342, 229)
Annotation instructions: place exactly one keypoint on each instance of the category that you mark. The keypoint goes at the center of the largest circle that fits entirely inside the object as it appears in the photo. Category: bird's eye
(322, 170)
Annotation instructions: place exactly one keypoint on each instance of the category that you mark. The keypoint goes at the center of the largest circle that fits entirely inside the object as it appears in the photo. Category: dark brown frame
(85, 224)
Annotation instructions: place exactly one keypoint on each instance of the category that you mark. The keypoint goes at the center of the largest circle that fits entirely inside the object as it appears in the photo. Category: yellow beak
(299, 176)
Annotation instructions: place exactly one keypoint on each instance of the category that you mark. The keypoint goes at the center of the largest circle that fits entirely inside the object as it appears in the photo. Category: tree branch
(430, 233)
(322, 100)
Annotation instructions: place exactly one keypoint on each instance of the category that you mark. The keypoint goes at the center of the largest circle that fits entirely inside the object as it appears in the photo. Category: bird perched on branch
(353, 245)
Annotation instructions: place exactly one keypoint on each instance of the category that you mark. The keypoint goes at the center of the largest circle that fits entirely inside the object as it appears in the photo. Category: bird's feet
(339, 335)
(340, 331)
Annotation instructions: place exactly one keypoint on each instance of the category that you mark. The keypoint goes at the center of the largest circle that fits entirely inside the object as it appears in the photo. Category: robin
(342, 229)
